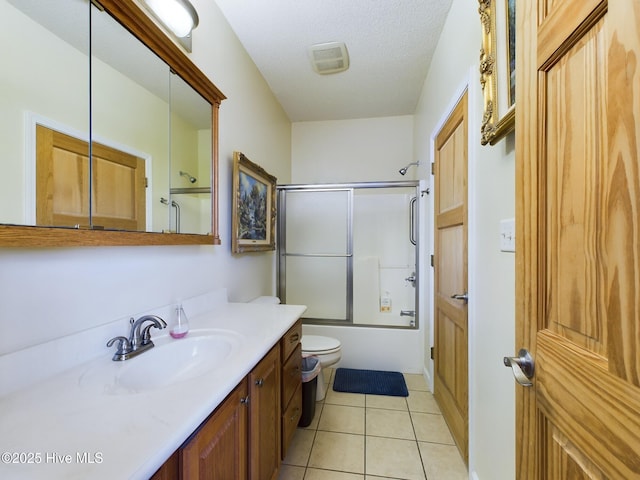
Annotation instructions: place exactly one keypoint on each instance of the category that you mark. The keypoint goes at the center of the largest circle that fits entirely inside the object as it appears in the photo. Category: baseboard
(427, 378)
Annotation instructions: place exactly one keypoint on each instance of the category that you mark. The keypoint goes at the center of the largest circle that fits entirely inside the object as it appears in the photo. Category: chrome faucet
(139, 338)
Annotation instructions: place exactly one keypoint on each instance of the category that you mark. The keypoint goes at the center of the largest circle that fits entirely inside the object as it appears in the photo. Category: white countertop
(67, 429)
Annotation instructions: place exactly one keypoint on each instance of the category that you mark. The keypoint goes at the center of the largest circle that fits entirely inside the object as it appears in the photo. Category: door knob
(461, 296)
(523, 367)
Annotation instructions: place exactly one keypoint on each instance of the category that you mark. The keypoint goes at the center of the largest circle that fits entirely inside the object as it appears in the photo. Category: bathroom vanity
(96, 420)
(243, 434)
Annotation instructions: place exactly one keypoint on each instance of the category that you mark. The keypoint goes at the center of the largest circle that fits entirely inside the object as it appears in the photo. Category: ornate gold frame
(240, 244)
(493, 128)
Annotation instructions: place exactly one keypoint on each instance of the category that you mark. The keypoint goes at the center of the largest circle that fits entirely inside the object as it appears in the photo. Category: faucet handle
(123, 346)
(146, 334)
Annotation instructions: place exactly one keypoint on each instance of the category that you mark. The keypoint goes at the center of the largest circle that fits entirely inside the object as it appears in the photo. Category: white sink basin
(170, 361)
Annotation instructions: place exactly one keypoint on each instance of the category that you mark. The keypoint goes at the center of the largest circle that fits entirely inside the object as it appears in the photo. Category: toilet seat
(317, 344)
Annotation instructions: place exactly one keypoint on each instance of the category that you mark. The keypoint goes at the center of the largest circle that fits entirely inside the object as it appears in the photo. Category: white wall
(31, 89)
(360, 150)
(48, 293)
(491, 272)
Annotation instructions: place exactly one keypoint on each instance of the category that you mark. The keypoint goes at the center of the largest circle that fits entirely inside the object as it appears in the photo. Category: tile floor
(369, 437)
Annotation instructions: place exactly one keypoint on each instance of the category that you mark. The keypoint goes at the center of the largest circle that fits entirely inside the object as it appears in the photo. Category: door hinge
(432, 350)
(146, 182)
(433, 168)
(432, 261)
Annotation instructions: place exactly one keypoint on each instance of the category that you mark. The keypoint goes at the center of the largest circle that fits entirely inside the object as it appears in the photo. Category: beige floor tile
(385, 401)
(389, 423)
(316, 474)
(300, 447)
(291, 472)
(342, 398)
(395, 458)
(443, 462)
(375, 477)
(431, 428)
(423, 402)
(342, 418)
(338, 451)
(415, 381)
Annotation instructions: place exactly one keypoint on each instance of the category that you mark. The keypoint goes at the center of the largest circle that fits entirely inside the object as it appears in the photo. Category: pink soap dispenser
(180, 325)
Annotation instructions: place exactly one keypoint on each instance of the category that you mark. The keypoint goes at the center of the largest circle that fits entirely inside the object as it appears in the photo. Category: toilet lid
(318, 343)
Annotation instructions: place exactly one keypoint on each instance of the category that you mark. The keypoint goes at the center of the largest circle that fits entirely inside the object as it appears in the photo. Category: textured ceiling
(390, 45)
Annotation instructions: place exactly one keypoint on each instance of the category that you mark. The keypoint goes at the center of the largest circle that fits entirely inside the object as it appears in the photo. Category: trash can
(310, 370)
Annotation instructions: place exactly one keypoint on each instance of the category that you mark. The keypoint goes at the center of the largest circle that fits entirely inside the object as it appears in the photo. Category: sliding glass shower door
(315, 252)
(349, 252)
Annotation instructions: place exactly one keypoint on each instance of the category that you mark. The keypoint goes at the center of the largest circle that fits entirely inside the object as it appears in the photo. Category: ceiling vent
(329, 57)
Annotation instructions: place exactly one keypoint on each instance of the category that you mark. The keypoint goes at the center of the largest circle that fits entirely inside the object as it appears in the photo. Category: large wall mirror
(109, 132)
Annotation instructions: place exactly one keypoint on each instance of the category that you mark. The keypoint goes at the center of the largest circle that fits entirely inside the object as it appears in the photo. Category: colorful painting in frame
(254, 207)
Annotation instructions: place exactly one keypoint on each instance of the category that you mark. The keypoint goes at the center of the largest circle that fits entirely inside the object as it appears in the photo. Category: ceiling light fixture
(179, 16)
(331, 57)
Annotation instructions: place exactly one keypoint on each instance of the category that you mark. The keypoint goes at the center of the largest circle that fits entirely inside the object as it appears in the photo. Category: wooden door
(218, 450)
(62, 184)
(264, 419)
(62, 179)
(450, 262)
(578, 238)
(118, 189)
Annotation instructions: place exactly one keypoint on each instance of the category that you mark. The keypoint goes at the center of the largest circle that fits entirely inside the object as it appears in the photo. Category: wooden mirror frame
(138, 23)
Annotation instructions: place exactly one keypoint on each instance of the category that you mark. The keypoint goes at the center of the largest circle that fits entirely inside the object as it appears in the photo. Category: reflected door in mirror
(117, 196)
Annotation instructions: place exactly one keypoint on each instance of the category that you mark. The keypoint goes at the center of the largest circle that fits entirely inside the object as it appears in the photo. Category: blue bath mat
(372, 382)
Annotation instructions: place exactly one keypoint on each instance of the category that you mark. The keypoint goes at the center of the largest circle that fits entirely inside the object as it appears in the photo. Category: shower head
(188, 176)
(403, 170)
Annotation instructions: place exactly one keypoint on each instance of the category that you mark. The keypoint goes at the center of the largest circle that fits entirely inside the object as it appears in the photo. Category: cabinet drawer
(291, 339)
(291, 375)
(290, 419)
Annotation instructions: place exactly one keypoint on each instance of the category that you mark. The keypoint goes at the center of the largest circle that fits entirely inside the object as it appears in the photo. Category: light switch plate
(508, 235)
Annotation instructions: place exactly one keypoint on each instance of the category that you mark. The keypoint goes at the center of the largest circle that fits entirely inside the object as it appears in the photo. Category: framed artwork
(254, 207)
(498, 68)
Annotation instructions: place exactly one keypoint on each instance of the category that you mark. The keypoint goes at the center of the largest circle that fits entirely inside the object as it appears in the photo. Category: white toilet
(327, 349)
(329, 352)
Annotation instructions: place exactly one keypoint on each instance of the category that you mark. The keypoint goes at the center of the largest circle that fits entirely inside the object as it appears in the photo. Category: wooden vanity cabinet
(170, 470)
(249, 432)
(291, 349)
(218, 449)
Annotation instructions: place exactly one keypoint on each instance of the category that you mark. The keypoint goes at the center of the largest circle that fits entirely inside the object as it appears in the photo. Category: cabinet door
(264, 421)
(218, 450)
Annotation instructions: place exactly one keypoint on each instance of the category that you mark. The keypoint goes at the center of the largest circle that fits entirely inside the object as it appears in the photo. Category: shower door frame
(350, 188)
